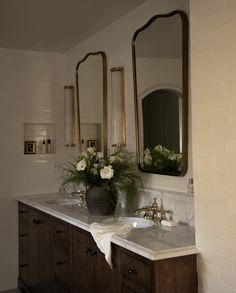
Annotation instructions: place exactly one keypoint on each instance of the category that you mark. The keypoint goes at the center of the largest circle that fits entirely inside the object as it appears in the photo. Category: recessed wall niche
(39, 138)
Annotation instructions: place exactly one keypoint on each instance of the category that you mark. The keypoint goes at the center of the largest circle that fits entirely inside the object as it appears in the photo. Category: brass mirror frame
(184, 95)
(105, 119)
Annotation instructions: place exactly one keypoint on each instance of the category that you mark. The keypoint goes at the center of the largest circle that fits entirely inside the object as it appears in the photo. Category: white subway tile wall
(31, 87)
(213, 71)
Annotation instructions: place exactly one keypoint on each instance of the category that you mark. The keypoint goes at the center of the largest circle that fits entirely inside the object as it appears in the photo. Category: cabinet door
(39, 253)
(33, 256)
(61, 267)
(82, 270)
(101, 270)
(45, 254)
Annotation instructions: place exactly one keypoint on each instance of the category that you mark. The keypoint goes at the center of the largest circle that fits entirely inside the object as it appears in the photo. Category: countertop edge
(152, 255)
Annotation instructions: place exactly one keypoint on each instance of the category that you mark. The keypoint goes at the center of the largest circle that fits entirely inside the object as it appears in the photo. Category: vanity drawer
(23, 267)
(23, 212)
(137, 271)
(23, 236)
(61, 265)
(60, 233)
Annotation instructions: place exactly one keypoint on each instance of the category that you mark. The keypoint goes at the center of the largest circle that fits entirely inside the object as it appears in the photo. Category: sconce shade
(69, 115)
(118, 107)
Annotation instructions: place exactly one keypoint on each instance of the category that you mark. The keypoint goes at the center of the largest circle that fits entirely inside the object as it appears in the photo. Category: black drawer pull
(132, 272)
(23, 266)
(59, 231)
(93, 253)
(23, 235)
(87, 250)
(59, 263)
(37, 221)
(23, 212)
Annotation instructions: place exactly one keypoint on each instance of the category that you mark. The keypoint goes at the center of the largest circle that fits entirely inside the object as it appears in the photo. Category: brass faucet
(153, 212)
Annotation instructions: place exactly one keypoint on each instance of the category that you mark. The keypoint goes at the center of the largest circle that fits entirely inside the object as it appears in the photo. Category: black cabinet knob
(87, 250)
(132, 272)
(37, 221)
(93, 253)
(23, 266)
(59, 232)
(59, 263)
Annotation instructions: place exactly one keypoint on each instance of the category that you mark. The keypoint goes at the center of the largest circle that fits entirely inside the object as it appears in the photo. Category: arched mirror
(91, 84)
(160, 64)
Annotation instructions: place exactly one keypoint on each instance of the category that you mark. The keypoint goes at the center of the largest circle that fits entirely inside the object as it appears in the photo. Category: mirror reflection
(91, 80)
(160, 78)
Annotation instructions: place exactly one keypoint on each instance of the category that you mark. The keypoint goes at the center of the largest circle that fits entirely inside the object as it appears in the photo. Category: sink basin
(66, 201)
(134, 221)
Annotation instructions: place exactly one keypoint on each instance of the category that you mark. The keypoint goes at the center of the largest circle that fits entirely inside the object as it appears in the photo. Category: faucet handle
(164, 213)
(155, 204)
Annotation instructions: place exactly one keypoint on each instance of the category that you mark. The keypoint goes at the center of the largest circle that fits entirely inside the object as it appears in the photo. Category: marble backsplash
(180, 203)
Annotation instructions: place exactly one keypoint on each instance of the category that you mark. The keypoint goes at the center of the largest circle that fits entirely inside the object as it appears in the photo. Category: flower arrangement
(115, 173)
(161, 159)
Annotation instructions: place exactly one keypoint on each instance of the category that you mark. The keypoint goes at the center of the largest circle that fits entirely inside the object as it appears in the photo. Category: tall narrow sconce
(118, 106)
(69, 102)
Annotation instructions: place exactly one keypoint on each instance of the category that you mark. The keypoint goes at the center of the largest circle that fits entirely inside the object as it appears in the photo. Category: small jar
(49, 146)
(44, 147)
(190, 186)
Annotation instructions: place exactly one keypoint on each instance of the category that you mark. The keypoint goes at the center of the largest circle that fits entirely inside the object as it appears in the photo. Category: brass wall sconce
(118, 107)
(69, 105)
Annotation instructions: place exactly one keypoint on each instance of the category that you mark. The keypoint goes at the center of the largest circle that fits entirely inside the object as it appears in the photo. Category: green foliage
(162, 160)
(115, 173)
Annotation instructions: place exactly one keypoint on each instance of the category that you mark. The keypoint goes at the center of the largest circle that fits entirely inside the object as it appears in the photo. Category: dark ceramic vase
(99, 201)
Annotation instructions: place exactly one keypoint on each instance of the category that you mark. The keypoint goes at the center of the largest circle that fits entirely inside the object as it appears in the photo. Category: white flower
(91, 150)
(147, 159)
(107, 172)
(84, 154)
(100, 155)
(147, 151)
(173, 157)
(158, 148)
(81, 165)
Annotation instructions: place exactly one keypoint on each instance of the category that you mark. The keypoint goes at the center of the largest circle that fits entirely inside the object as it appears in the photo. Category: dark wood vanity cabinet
(34, 251)
(140, 275)
(44, 252)
(23, 235)
(61, 264)
(57, 257)
(90, 271)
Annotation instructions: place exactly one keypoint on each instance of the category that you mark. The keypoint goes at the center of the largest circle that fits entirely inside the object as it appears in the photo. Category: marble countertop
(153, 243)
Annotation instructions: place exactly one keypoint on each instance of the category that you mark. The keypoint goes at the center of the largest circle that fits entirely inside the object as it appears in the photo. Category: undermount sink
(134, 221)
(65, 201)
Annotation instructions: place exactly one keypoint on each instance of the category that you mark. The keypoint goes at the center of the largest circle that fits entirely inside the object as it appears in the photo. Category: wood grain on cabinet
(177, 275)
(23, 244)
(61, 264)
(39, 253)
(90, 271)
(140, 275)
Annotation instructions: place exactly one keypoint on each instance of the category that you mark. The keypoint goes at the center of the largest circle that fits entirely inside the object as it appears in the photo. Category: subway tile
(228, 279)
(217, 260)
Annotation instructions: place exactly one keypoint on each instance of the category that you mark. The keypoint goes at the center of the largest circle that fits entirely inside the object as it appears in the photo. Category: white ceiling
(56, 25)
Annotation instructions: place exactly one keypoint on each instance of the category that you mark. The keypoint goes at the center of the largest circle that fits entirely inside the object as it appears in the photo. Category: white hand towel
(102, 234)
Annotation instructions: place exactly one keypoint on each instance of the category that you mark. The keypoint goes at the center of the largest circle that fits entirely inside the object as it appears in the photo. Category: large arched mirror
(160, 63)
(91, 84)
